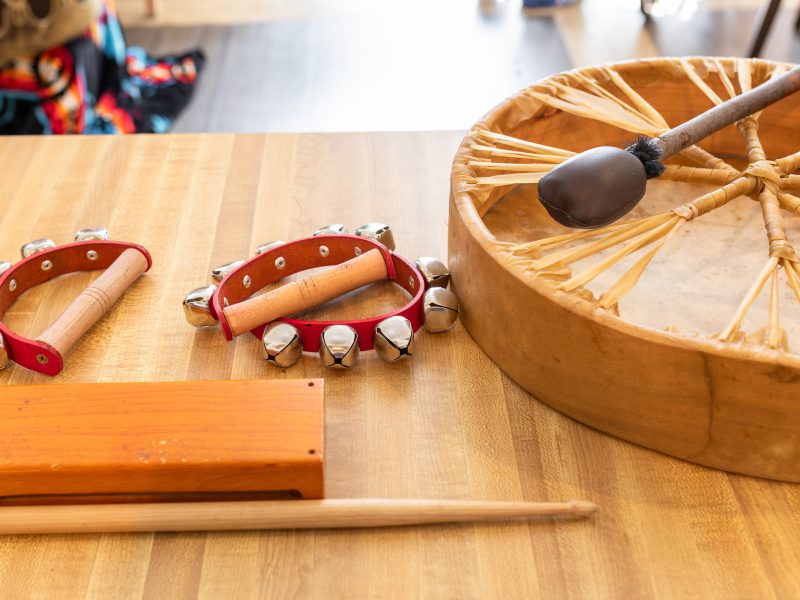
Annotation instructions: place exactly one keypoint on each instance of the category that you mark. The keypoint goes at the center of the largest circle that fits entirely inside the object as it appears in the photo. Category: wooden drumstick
(95, 301)
(600, 185)
(303, 294)
(272, 514)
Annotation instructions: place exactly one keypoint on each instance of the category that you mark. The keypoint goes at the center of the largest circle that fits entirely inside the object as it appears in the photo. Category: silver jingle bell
(4, 266)
(282, 346)
(5, 359)
(338, 347)
(441, 309)
(36, 246)
(433, 270)
(394, 339)
(95, 233)
(195, 306)
(269, 246)
(335, 229)
(379, 232)
(221, 272)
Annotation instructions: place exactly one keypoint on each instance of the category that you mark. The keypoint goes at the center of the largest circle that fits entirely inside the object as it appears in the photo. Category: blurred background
(355, 65)
(343, 65)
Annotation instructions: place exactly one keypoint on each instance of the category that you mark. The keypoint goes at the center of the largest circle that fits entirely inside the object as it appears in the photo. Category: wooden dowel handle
(305, 293)
(95, 301)
(727, 113)
(271, 514)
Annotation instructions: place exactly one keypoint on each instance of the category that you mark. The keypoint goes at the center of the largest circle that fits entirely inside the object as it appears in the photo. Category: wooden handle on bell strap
(272, 514)
(308, 292)
(95, 301)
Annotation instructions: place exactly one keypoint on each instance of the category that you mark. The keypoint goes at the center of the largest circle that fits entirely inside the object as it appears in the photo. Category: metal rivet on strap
(412, 282)
(324, 251)
(41, 359)
(47, 265)
(92, 255)
(357, 250)
(280, 262)
(12, 285)
(247, 281)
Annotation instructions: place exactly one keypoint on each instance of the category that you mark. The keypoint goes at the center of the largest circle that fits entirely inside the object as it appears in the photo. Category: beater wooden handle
(95, 301)
(727, 113)
(600, 185)
(306, 293)
(271, 514)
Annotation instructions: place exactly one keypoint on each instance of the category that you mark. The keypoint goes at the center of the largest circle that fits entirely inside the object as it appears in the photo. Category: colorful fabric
(95, 84)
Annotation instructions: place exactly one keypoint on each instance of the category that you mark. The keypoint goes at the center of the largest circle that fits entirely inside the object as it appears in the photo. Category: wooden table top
(447, 424)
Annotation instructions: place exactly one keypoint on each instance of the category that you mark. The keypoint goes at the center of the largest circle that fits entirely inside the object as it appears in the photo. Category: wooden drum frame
(673, 329)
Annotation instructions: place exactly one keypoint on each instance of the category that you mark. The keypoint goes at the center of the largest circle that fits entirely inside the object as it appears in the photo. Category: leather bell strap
(48, 264)
(310, 253)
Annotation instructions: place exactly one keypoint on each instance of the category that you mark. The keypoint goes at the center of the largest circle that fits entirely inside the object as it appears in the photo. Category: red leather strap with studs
(43, 266)
(309, 253)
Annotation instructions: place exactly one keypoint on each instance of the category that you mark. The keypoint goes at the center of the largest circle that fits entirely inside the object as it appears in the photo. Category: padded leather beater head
(593, 188)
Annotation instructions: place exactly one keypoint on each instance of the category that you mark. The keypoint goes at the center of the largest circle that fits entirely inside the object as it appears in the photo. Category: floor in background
(356, 66)
(343, 74)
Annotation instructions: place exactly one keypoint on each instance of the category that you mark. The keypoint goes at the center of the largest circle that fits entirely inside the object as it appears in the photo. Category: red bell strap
(309, 253)
(44, 266)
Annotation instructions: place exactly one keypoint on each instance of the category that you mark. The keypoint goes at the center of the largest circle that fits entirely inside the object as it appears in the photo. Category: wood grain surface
(447, 424)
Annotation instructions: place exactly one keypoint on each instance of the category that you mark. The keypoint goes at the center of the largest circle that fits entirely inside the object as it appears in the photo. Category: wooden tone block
(161, 441)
